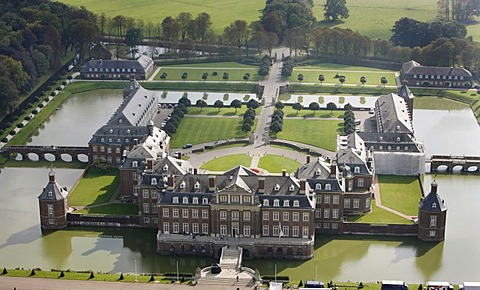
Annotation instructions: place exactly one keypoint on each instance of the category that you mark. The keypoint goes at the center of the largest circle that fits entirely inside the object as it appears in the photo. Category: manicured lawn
(97, 186)
(196, 130)
(380, 216)
(306, 113)
(222, 12)
(174, 73)
(112, 209)
(228, 162)
(401, 193)
(352, 74)
(210, 111)
(320, 133)
(248, 88)
(275, 163)
(437, 103)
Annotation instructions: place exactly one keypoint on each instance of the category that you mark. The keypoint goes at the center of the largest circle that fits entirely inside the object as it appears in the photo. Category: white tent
(275, 286)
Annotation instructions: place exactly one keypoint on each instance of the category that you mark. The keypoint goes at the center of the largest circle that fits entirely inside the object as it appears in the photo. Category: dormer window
(182, 185)
(50, 193)
(398, 139)
(102, 139)
(134, 163)
(154, 181)
(286, 203)
(118, 140)
(165, 168)
(195, 200)
(197, 185)
(318, 186)
(291, 188)
(205, 200)
(318, 172)
(185, 200)
(265, 202)
(276, 202)
(277, 187)
(434, 205)
(175, 199)
(328, 187)
(356, 169)
(296, 203)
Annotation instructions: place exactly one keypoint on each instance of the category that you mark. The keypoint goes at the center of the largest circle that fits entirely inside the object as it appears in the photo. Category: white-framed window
(266, 215)
(154, 208)
(195, 200)
(223, 215)
(175, 199)
(296, 203)
(146, 219)
(318, 198)
(165, 212)
(326, 225)
(276, 202)
(166, 227)
(356, 203)
(360, 182)
(265, 202)
(265, 230)
(326, 199)
(175, 213)
(145, 193)
(433, 221)
(195, 213)
(246, 215)
(276, 231)
(235, 199)
(246, 231)
(204, 214)
(275, 215)
(305, 232)
(195, 228)
(223, 198)
(185, 200)
(286, 203)
(186, 227)
(176, 228)
(335, 213)
(235, 215)
(334, 226)
(336, 199)
(318, 213)
(356, 169)
(109, 149)
(285, 216)
(286, 231)
(204, 229)
(295, 231)
(154, 194)
(368, 202)
(51, 221)
(246, 199)
(185, 213)
(346, 203)
(50, 209)
(223, 230)
(296, 216)
(306, 216)
(432, 233)
(318, 186)
(146, 207)
(205, 200)
(328, 186)
(326, 213)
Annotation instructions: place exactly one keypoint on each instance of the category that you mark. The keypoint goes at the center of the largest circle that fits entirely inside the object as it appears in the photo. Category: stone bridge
(75, 152)
(457, 163)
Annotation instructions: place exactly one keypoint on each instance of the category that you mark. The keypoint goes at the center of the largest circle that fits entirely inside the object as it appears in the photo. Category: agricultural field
(215, 72)
(352, 74)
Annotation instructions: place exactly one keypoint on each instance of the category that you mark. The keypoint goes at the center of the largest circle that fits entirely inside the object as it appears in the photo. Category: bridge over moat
(452, 163)
(79, 153)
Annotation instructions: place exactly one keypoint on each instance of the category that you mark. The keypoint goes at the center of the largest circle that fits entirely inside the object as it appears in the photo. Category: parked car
(186, 146)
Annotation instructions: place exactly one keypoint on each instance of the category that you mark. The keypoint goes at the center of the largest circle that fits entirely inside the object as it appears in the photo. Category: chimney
(211, 183)
(195, 170)
(434, 188)
(302, 186)
(284, 172)
(135, 141)
(150, 165)
(333, 169)
(170, 182)
(51, 177)
(308, 158)
(261, 184)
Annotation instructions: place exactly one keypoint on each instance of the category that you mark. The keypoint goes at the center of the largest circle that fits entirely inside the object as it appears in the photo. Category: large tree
(133, 37)
(335, 10)
(183, 20)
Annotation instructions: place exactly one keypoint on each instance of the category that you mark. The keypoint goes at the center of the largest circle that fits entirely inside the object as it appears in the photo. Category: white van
(435, 285)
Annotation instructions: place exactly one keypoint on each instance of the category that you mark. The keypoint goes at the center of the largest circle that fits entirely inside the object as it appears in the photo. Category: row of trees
(348, 120)
(276, 125)
(458, 10)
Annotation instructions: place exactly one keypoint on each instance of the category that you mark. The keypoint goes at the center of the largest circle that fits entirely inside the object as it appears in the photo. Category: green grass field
(111, 209)
(320, 133)
(306, 113)
(235, 72)
(352, 74)
(210, 111)
(401, 193)
(195, 130)
(436, 103)
(228, 162)
(97, 186)
(275, 163)
(380, 216)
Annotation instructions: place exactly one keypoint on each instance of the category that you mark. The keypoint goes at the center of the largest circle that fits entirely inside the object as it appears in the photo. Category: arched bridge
(75, 152)
(455, 163)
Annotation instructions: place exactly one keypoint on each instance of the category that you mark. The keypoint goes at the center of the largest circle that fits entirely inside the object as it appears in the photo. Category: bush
(69, 77)
(20, 125)
(59, 88)
(64, 83)
(52, 94)
(34, 112)
(28, 118)
(4, 140)
(12, 133)
(40, 105)
(46, 99)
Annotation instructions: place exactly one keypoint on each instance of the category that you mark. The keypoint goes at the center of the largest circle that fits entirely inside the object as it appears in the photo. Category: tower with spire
(432, 216)
(53, 205)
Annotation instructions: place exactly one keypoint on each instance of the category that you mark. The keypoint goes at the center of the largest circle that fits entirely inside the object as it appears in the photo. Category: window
(154, 194)
(318, 198)
(195, 213)
(186, 228)
(185, 199)
(165, 212)
(50, 209)
(356, 169)
(195, 228)
(265, 202)
(433, 221)
(291, 188)
(296, 216)
(335, 213)
(328, 187)
(246, 215)
(146, 220)
(175, 213)
(185, 213)
(305, 232)
(175, 199)
(276, 202)
(318, 213)
(318, 186)
(326, 213)
(94, 148)
(334, 226)
(204, 229)
(235, 215)
(275, 215)
(432, 233)
(166, 228)
(195, 200)
(265, 231)
(335, 199)
(306, 216)
(326, 225)
(223, 230)
(266, 216)
(296, 203)
(286, 231)
(205, 200)
(246, 231)
(146, 207)
(197, 185)
(51, 221)
(346, 203)
(285, 216)
(204, 214)
(434, 205)
(286, 203)
(356, 203)
(368, 202)
(360, 182)
(277, 187)
(276, 231)
(145, 193)
(223, 215)
(223, 198)
(176, 228)
(327, 199)
(246, 199)
(295, 231)
(235, 199)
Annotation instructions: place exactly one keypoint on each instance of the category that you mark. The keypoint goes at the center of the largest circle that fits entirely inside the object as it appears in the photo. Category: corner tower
(53, 205)
(432, 216)
(407, 95)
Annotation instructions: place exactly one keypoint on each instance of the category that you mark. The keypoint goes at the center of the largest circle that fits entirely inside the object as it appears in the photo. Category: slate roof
(53, 191)
(335, 185)
(318, 169)
(140, 64)
(432, 202)
(413, 67)
(172, 166)
(193, 183)
(304, 201)
(392, 114)
(352, 158)
(405, 92)
(373, 141)
(167, 198)
(135, 108)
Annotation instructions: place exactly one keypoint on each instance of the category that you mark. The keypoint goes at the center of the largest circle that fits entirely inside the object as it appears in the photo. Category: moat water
(337, 258)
